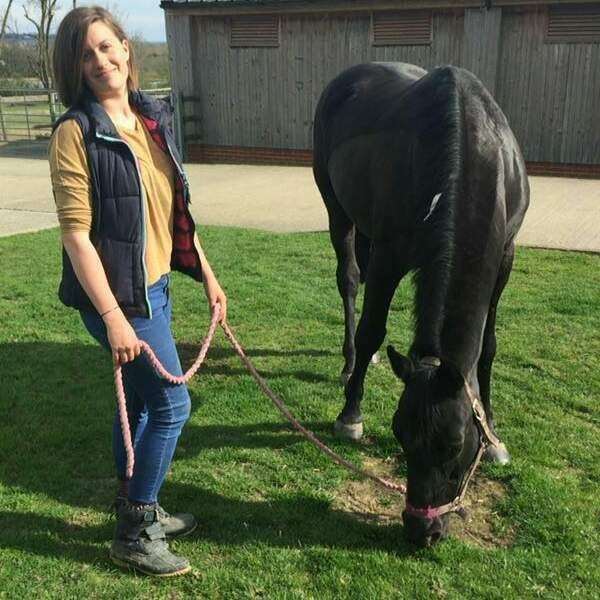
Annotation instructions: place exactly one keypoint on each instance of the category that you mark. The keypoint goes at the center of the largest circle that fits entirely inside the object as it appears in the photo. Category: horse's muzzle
(425, 532)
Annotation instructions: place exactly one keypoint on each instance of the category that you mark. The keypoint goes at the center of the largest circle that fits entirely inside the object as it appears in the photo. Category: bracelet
(108, 311)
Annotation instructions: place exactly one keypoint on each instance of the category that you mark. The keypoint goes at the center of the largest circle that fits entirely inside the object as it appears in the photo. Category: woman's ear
(401, 365)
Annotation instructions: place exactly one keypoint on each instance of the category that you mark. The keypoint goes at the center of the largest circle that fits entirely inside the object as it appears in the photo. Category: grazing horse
(419, 171)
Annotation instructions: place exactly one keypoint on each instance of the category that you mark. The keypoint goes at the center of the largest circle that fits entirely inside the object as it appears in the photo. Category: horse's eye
(453, 449)
(456, 448)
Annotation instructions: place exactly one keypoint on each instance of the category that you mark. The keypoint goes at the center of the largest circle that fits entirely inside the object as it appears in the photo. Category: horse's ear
(449, 378)
(401, 365)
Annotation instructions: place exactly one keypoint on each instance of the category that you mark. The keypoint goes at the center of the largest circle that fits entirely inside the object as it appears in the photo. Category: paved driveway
(564, 213)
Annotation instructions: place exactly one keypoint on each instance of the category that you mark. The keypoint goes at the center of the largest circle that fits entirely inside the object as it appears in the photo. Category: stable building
(247, 74)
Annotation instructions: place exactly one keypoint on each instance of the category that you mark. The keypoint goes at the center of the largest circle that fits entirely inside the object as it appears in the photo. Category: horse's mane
(438, 151)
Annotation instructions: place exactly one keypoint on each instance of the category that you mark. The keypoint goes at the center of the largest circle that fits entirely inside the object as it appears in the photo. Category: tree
(4, 22)
(40, 14)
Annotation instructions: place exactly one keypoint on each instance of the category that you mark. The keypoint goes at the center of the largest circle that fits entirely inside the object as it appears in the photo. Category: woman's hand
(215, 295)
(123, 340)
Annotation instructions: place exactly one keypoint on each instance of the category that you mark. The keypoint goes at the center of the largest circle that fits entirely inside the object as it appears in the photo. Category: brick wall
(200, 153)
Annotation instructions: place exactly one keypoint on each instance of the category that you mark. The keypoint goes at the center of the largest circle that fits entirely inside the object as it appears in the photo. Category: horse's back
(352, 102)
(384, 127)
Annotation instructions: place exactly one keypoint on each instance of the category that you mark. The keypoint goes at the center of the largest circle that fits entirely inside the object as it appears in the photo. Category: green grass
(263, 495)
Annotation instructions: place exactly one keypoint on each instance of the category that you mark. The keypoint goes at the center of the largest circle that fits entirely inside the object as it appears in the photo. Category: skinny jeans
(157, 409)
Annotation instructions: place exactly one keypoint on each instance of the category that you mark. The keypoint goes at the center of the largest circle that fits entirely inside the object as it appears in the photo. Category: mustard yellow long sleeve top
(70, 175)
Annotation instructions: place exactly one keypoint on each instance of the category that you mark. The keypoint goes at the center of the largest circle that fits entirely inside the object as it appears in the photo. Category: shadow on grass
(53, 537)
(55, 439)
(217, 352)
(189, 352)
(284, 523)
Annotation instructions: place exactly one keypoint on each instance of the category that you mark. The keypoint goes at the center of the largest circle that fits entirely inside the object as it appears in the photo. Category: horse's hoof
(351, 431)
(497, 454)
(375, 359)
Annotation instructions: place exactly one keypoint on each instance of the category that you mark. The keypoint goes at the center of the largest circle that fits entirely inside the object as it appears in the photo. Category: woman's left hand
(216, 295)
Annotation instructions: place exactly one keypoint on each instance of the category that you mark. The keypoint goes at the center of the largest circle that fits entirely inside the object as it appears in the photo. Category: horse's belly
(369, 175)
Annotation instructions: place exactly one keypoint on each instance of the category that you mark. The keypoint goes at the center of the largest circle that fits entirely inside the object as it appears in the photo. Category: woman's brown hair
(67, 57)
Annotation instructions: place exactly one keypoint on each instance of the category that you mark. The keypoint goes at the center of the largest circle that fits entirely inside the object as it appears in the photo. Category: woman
(122, 203)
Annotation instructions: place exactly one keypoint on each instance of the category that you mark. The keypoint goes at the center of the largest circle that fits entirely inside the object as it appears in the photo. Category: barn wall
(266, 97)
(481, 47)
(549, 92)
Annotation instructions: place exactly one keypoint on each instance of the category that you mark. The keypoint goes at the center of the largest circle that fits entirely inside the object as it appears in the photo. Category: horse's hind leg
(347, 274)
(383, 276)
(362, 246)
(488, 352)
(342, 234)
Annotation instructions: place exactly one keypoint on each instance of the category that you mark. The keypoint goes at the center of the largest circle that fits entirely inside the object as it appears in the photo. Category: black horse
(420, 172)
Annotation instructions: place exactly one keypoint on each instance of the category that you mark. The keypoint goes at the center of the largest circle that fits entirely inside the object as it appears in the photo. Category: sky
(137, 16)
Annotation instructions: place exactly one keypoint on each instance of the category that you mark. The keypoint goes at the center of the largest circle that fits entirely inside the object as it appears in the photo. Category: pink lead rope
(178, 380)
(158, 367)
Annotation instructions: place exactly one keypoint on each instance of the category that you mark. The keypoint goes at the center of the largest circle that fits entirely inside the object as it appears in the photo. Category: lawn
(278, 520)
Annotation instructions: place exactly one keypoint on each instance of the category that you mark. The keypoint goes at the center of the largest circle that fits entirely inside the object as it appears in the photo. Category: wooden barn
(247, 74)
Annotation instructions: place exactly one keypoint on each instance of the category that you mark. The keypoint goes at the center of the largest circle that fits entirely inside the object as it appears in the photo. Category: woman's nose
(99, 59)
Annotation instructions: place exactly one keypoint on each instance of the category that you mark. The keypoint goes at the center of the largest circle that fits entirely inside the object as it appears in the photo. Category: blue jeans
(157, 409)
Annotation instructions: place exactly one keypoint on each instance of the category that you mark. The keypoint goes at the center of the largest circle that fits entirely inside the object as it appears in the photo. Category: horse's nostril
(436, 536)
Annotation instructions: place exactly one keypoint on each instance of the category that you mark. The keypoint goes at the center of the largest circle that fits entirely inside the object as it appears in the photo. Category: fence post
(27, 117)
(2, 126)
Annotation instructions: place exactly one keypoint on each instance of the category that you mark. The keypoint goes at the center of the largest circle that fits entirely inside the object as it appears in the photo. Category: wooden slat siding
(314, 49)
(549, 91)
(330, 7)
(266, 97)
(518, 95)
(405, 28)
(254, 31)
(446, 48)
(481, 46)
(573, 24)
(593, 92)
(179, 40)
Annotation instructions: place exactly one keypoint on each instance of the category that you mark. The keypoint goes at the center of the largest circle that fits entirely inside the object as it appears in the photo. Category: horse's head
(434, 424)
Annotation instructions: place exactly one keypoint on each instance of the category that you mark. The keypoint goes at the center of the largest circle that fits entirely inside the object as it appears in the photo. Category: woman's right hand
(123, 340)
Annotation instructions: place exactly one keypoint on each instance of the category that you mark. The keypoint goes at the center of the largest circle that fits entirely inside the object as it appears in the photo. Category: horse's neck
(474, 271)
(456, 299)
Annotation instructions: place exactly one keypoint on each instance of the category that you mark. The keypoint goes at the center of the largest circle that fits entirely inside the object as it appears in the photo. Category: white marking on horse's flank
(433, 205)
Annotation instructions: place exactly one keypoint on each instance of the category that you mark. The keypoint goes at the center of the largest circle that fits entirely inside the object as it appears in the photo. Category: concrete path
(564, 213)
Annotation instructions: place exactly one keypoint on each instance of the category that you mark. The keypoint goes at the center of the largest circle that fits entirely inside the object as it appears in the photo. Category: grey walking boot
(140, 543)
(177, 524)
(174, 525)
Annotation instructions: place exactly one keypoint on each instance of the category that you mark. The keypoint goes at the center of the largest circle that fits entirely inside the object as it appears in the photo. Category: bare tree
(4, 22)
(40, 14)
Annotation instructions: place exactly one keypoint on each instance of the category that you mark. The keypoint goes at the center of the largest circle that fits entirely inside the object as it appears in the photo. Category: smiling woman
(94, 40)
(122, 202)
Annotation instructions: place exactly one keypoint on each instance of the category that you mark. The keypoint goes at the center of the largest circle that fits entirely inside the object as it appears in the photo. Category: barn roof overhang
(229, 7)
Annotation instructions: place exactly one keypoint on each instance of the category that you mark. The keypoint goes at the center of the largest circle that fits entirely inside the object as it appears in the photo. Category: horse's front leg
(498, 454)
(383, 277)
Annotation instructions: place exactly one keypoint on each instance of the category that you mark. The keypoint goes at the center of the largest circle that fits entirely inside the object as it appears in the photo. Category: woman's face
(105, 59)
